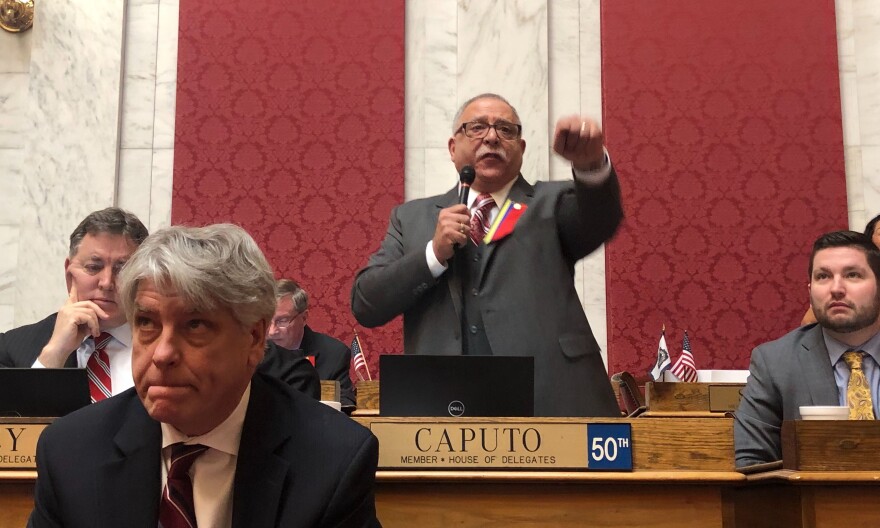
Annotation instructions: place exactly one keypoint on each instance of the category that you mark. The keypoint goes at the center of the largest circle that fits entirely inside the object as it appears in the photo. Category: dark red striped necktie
(480, 218)
(176, 509)
(98, 368)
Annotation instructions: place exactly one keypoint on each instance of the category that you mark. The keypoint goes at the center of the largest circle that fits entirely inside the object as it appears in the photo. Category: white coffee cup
(330, 403)
(824, 412)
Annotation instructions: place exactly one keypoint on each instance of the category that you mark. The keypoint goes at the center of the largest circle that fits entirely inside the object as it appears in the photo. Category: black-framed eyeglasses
(284, 322)
(479, 129)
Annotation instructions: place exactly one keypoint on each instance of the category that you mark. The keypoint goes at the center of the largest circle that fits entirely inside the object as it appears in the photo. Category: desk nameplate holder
(724, 397)
(678, 398)
(18, 441)
(483, 444)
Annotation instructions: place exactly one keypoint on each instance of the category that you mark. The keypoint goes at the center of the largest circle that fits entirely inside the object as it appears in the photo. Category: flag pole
(363, 353)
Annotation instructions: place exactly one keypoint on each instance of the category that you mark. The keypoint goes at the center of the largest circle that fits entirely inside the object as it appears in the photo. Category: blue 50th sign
(609, 446)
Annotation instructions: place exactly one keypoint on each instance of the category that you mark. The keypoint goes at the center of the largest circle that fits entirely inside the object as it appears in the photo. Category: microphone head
(467, 175)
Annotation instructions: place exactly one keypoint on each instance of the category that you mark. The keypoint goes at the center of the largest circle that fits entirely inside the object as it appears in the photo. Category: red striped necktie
(176, 509)
(98, 368)
(480, 218)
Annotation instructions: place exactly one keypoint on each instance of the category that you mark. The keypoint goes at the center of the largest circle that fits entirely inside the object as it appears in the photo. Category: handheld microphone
(466, 177)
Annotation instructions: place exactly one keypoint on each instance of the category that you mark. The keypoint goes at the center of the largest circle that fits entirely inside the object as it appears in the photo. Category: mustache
(484, 151)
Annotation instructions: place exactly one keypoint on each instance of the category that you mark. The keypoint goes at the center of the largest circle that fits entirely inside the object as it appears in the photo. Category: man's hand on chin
(76, 319)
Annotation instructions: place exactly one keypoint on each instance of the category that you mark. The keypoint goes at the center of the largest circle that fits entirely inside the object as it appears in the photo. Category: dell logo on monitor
(456, 408)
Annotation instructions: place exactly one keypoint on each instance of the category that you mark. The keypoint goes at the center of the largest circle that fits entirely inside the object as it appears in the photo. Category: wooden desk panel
(832, 499)
(16, 497)
(558, 504)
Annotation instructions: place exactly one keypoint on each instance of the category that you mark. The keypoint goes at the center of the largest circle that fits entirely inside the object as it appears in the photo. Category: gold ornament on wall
(16, 15)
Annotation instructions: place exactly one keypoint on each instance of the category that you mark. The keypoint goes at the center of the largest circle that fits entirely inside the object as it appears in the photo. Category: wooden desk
(661, 499)
(16, 497)
(828, 499)
(657, 499)
(404, 499)
(683, 478)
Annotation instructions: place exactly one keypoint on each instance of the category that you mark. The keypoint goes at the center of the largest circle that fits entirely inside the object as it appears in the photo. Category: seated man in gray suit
(465, 288)
(825, 363)
(203, 438)
(289, 331)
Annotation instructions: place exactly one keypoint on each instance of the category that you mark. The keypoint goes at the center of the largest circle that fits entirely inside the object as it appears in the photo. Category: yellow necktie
(858, 393)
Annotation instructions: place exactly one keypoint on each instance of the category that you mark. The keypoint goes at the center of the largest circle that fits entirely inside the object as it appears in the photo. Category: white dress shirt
(213, 473)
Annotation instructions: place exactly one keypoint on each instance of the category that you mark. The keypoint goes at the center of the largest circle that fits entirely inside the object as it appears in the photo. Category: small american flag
(684, 368)
(360, 362)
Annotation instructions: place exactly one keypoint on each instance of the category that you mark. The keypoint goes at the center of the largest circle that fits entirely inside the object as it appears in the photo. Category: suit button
(475, 292)
(473, 329)
(476, 258)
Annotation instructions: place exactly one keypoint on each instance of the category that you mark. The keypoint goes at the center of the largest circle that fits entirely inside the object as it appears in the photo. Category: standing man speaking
(495, 275)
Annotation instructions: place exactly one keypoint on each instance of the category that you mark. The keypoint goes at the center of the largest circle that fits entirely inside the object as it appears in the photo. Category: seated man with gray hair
(202, 439)
(289, 331)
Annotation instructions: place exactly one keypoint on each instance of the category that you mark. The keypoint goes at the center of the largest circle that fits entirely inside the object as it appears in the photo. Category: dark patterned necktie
(858, 392)
(98, 368)
(176, 509)
(480, 219)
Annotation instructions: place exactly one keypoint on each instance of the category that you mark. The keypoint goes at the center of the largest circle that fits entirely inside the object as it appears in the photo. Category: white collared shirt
(213, 473)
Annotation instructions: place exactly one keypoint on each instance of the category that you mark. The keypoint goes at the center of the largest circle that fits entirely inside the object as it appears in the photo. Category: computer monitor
(35, 392)
(462, 386)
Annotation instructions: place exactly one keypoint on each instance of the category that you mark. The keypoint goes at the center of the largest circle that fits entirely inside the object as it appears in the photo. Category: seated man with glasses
(496, 275)
(289, 330)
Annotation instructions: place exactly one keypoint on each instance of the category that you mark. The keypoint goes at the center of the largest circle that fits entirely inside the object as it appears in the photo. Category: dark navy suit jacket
(300, 464)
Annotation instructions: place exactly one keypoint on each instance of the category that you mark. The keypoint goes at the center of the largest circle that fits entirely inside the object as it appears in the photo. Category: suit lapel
(521, 192)
(452, 280)
(128, 485)
(256, 506)
(816, 369)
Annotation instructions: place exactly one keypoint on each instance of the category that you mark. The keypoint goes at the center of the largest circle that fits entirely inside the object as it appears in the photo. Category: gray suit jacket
(792, 371)
(528, 300)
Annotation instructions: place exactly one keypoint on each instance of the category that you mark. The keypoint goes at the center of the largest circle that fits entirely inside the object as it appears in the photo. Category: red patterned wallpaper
(290, 123)
(723, 120)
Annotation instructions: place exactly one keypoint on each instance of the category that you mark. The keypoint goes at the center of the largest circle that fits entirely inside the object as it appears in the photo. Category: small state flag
(663, 361)
(685, 369)
(360, 362)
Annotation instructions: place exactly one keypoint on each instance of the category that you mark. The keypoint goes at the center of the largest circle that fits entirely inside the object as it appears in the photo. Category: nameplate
(503, 445)
(18, 444)
(725, 398)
